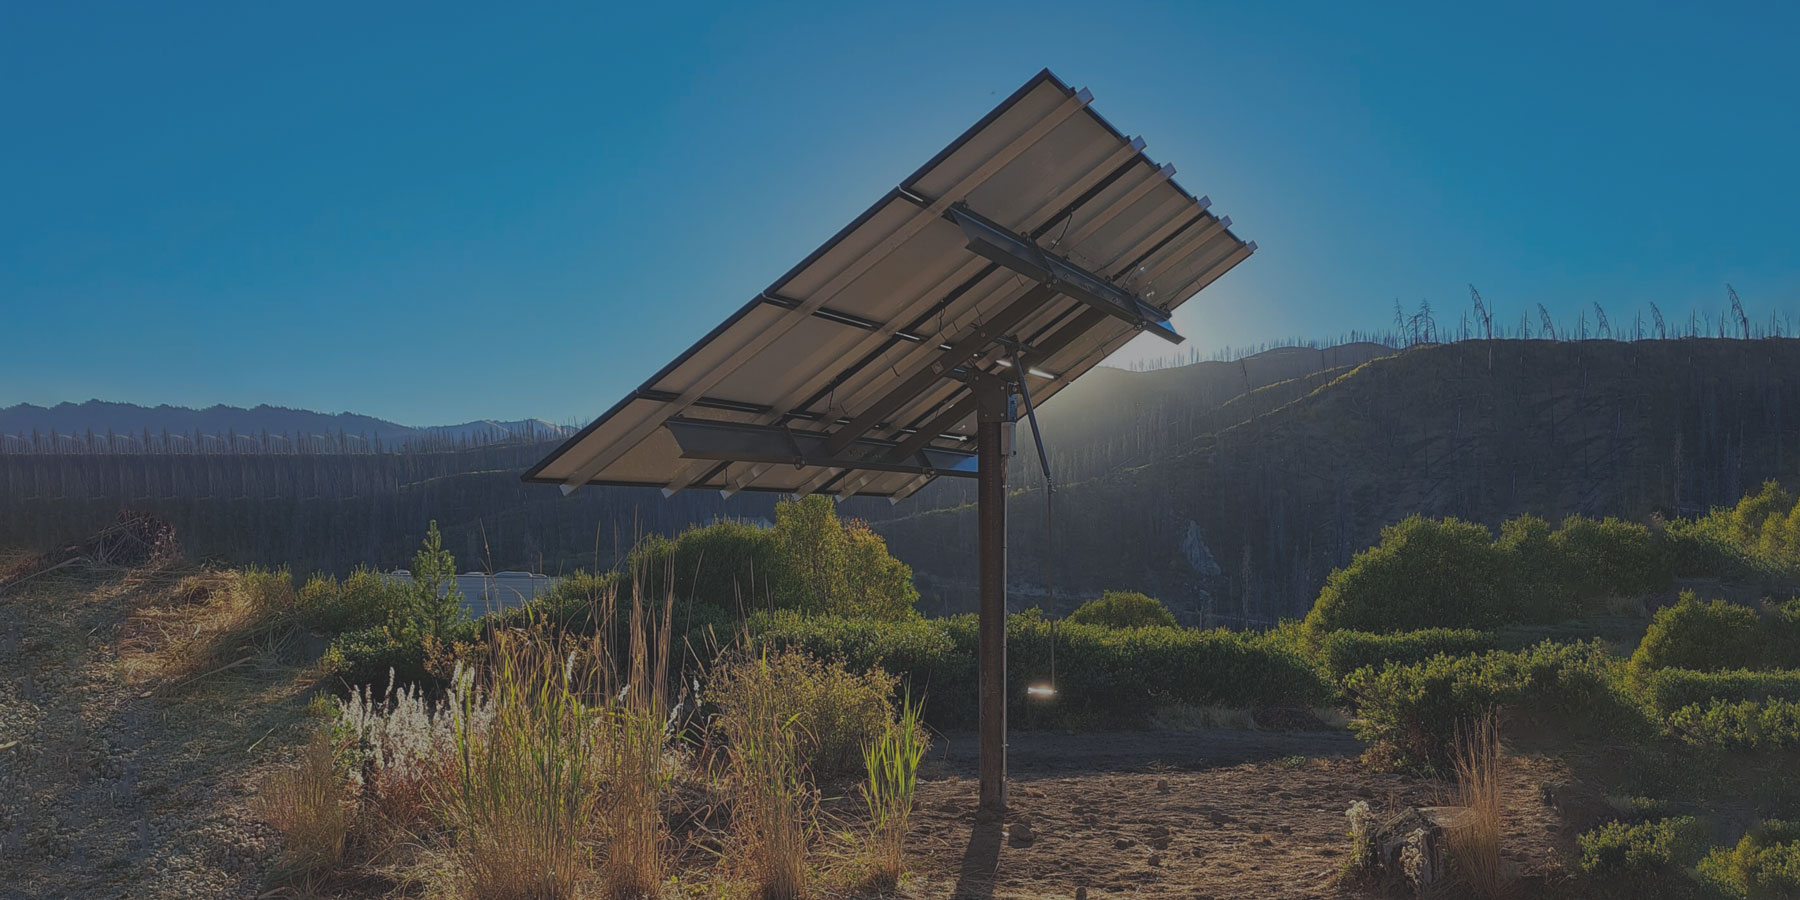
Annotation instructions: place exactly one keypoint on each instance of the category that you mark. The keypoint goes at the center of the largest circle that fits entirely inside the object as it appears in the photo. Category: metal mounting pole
(996, 410)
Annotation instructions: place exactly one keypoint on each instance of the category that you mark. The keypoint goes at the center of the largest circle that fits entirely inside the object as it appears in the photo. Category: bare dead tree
(1661, 331)
(1737, 309)
(1549, 326)
(1602, 328)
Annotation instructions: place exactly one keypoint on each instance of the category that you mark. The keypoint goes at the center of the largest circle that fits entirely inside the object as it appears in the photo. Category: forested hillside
(334, 502)
(1228, 489)
(1244, 523)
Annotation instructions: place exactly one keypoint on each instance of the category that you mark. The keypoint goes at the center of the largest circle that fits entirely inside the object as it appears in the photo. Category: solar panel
(1041, 235)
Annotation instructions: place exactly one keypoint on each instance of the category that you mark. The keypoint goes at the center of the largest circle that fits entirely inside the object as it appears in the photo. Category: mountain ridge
(101, 416)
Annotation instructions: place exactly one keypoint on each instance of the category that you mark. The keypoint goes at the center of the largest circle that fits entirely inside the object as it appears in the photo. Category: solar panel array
(1041, 234)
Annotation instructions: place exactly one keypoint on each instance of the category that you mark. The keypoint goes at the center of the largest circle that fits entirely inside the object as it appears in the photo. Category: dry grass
(219, 623)
(559, 754)
(306, 803)
(1475, 838)
(774, 804)
(638, 851)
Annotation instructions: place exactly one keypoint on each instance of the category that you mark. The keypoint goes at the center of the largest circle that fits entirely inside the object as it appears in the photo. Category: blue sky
(440, 212)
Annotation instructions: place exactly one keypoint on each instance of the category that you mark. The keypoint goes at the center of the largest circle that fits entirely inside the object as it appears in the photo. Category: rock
(1161, 843)
(1081, 893)
(1020, 833)
(1580, 806)
(1123, 843)
(1412, 847)
(1155, 860)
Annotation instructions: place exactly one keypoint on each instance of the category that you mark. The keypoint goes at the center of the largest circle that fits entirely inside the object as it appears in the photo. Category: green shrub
(363, 600)
(1535, 571)
(1645, 851)
(728, 565)
(1758, 514)
(1742, 725)
(1123, 609)
(834, 711)
(811, 561)
(370, 656)
(269, 592)
(1417, 709)
(1424, 573)
(1116, 676)
(1343, 652)
(1609, 558)
(1668, 690)
(1765, 864)
(1446, 573)
(1708, 637)
(1758, 536)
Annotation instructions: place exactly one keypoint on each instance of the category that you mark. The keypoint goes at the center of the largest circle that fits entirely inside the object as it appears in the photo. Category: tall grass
(892, 766)
(306, 803)
(1475, 837)
(774, 803)
(570, 758)
(637, 836)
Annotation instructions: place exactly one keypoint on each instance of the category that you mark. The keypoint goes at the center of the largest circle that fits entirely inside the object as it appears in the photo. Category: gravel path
(105, 789)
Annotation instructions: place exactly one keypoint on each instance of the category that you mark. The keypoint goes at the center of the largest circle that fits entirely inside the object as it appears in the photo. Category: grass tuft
(1475, 838)
(306, 804)
(892, 766)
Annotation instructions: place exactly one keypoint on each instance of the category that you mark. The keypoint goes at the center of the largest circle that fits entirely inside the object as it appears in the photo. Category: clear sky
(443, 212)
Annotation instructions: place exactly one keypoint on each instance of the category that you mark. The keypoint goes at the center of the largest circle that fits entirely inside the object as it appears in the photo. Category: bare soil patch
(1238, 814)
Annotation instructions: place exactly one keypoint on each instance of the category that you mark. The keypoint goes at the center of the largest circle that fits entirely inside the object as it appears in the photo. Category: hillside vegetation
(1242, 524)
(685, 719)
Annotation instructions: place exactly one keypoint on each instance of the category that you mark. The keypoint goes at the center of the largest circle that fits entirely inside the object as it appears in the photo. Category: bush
(811, 562)
(834, 711)
(1123, 609)
(1758, 536)
(1744, 725)
(1424, 573)
(1764, 864)
(1714, 636)
(269, 593)
(1609, 558)
(363, 600)
(1671, 689)
(1417, 709)
(1645, 851)
(1343, 652)
(1446, 573)
(376, 657)
(1116, 676)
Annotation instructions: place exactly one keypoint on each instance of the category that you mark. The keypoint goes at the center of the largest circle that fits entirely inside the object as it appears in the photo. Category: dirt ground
(111, 789)
(1204, 814)
(107, 790)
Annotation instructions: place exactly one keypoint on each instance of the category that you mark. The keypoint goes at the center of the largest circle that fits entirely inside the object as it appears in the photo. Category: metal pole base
(995, 413)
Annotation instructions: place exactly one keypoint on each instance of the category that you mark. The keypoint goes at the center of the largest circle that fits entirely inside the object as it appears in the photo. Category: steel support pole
(996, 411)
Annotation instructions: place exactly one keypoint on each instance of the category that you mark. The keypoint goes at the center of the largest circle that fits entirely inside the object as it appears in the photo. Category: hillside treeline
(1243, 524)
(331, 512)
